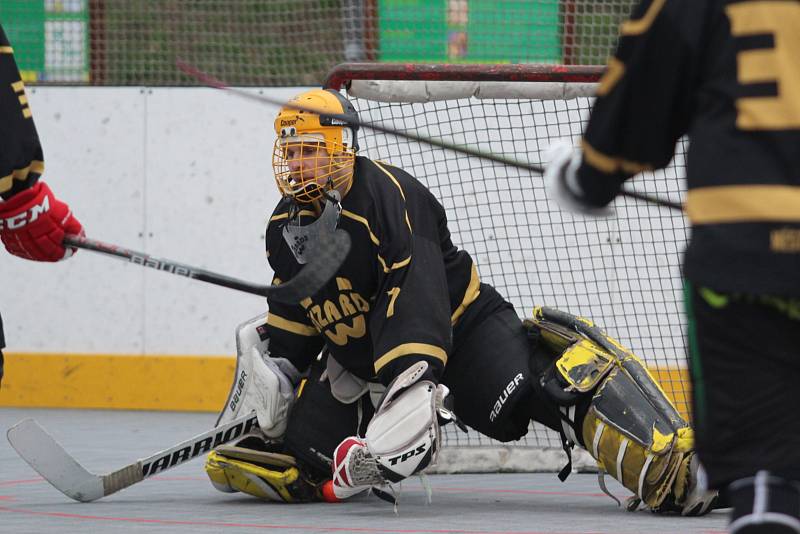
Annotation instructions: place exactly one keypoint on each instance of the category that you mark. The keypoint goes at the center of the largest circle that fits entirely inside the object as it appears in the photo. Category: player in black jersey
(32, 221)
(726, 74)
(405, 337)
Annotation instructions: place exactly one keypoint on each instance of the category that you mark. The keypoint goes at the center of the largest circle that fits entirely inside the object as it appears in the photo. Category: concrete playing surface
(182, 500)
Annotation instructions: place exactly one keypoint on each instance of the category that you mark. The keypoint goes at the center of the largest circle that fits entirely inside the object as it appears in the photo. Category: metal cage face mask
(307, 166)
(314, 153)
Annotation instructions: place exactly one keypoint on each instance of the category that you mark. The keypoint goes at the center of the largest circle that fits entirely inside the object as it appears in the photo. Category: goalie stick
(48, 458)
(216, 83)
(331, 254)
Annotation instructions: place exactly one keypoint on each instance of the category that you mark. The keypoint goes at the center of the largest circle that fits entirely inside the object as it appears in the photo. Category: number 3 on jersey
(780, 20)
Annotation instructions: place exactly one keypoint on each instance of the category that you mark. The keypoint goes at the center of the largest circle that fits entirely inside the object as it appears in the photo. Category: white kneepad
(261, 383)
(403, 436)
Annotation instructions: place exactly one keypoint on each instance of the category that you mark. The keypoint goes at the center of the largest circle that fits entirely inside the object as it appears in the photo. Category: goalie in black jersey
(725, 73)
(351, 385)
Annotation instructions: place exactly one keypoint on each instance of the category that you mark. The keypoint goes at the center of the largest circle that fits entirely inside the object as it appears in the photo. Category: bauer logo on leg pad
(238, 389)
(501, 400)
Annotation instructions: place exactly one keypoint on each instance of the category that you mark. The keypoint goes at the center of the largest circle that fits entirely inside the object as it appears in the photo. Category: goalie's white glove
(561, 181)
(262, 384)
(402, 439)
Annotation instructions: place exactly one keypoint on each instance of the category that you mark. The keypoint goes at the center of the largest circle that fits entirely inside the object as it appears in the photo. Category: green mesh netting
(275, 42)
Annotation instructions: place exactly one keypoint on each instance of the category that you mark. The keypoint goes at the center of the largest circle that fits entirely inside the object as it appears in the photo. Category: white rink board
(180, 173)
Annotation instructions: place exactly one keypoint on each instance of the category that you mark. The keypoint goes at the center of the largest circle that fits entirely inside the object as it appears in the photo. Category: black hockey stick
(331, 254)
(216, 83)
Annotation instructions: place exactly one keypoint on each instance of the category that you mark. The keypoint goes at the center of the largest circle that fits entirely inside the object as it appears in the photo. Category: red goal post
(623, 272)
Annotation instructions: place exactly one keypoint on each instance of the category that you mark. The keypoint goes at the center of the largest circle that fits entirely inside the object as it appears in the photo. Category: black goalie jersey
(727, 74)
(395, 299)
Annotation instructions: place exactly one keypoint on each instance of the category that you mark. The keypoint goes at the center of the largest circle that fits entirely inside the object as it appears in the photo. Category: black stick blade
(331, 254)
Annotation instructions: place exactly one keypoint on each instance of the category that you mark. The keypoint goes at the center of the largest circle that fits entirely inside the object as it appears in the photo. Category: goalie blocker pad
(630, 427)
(404, 436)
(261, 383)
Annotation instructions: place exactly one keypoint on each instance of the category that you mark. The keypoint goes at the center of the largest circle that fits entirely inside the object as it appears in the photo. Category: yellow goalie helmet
(314, 154)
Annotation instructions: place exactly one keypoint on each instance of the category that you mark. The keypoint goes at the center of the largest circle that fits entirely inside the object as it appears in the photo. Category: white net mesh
(623, 272)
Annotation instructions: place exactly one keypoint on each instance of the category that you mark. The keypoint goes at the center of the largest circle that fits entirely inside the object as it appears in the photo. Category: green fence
(50, 38)
(276, 42)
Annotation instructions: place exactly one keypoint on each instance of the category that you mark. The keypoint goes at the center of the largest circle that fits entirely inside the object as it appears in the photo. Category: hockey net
(622, 272)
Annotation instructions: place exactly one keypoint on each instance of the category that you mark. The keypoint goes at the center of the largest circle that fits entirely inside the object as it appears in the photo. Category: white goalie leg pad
(404, 436)
(261, 383)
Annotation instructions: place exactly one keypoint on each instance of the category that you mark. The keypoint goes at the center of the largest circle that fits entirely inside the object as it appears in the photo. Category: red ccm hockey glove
(33, 224)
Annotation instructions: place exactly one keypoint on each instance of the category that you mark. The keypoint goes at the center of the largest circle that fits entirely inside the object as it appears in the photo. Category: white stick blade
(49, 459)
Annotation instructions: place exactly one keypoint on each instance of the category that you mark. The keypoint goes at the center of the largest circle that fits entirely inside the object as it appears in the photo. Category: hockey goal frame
(422, 84)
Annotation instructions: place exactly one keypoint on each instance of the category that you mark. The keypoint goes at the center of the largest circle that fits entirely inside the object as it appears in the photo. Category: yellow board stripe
(410, 348)
(743, 203)
(674, 382)
(291, 326)
(168, 382)
(120, 382)
(6, 50)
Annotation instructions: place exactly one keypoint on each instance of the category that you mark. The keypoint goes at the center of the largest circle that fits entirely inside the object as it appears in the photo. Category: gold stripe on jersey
(393, 179)
(374, 239)
(301, 388)
(291, 326)
(364, 221)
(302, 213)
(612, 76)
(785, 240)
(639, 26)
(394, 266)
(19, 88)
(411, 348)
(743, 203)
(472, 292)
(6, 50)
(610, 164)
(7, 182)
